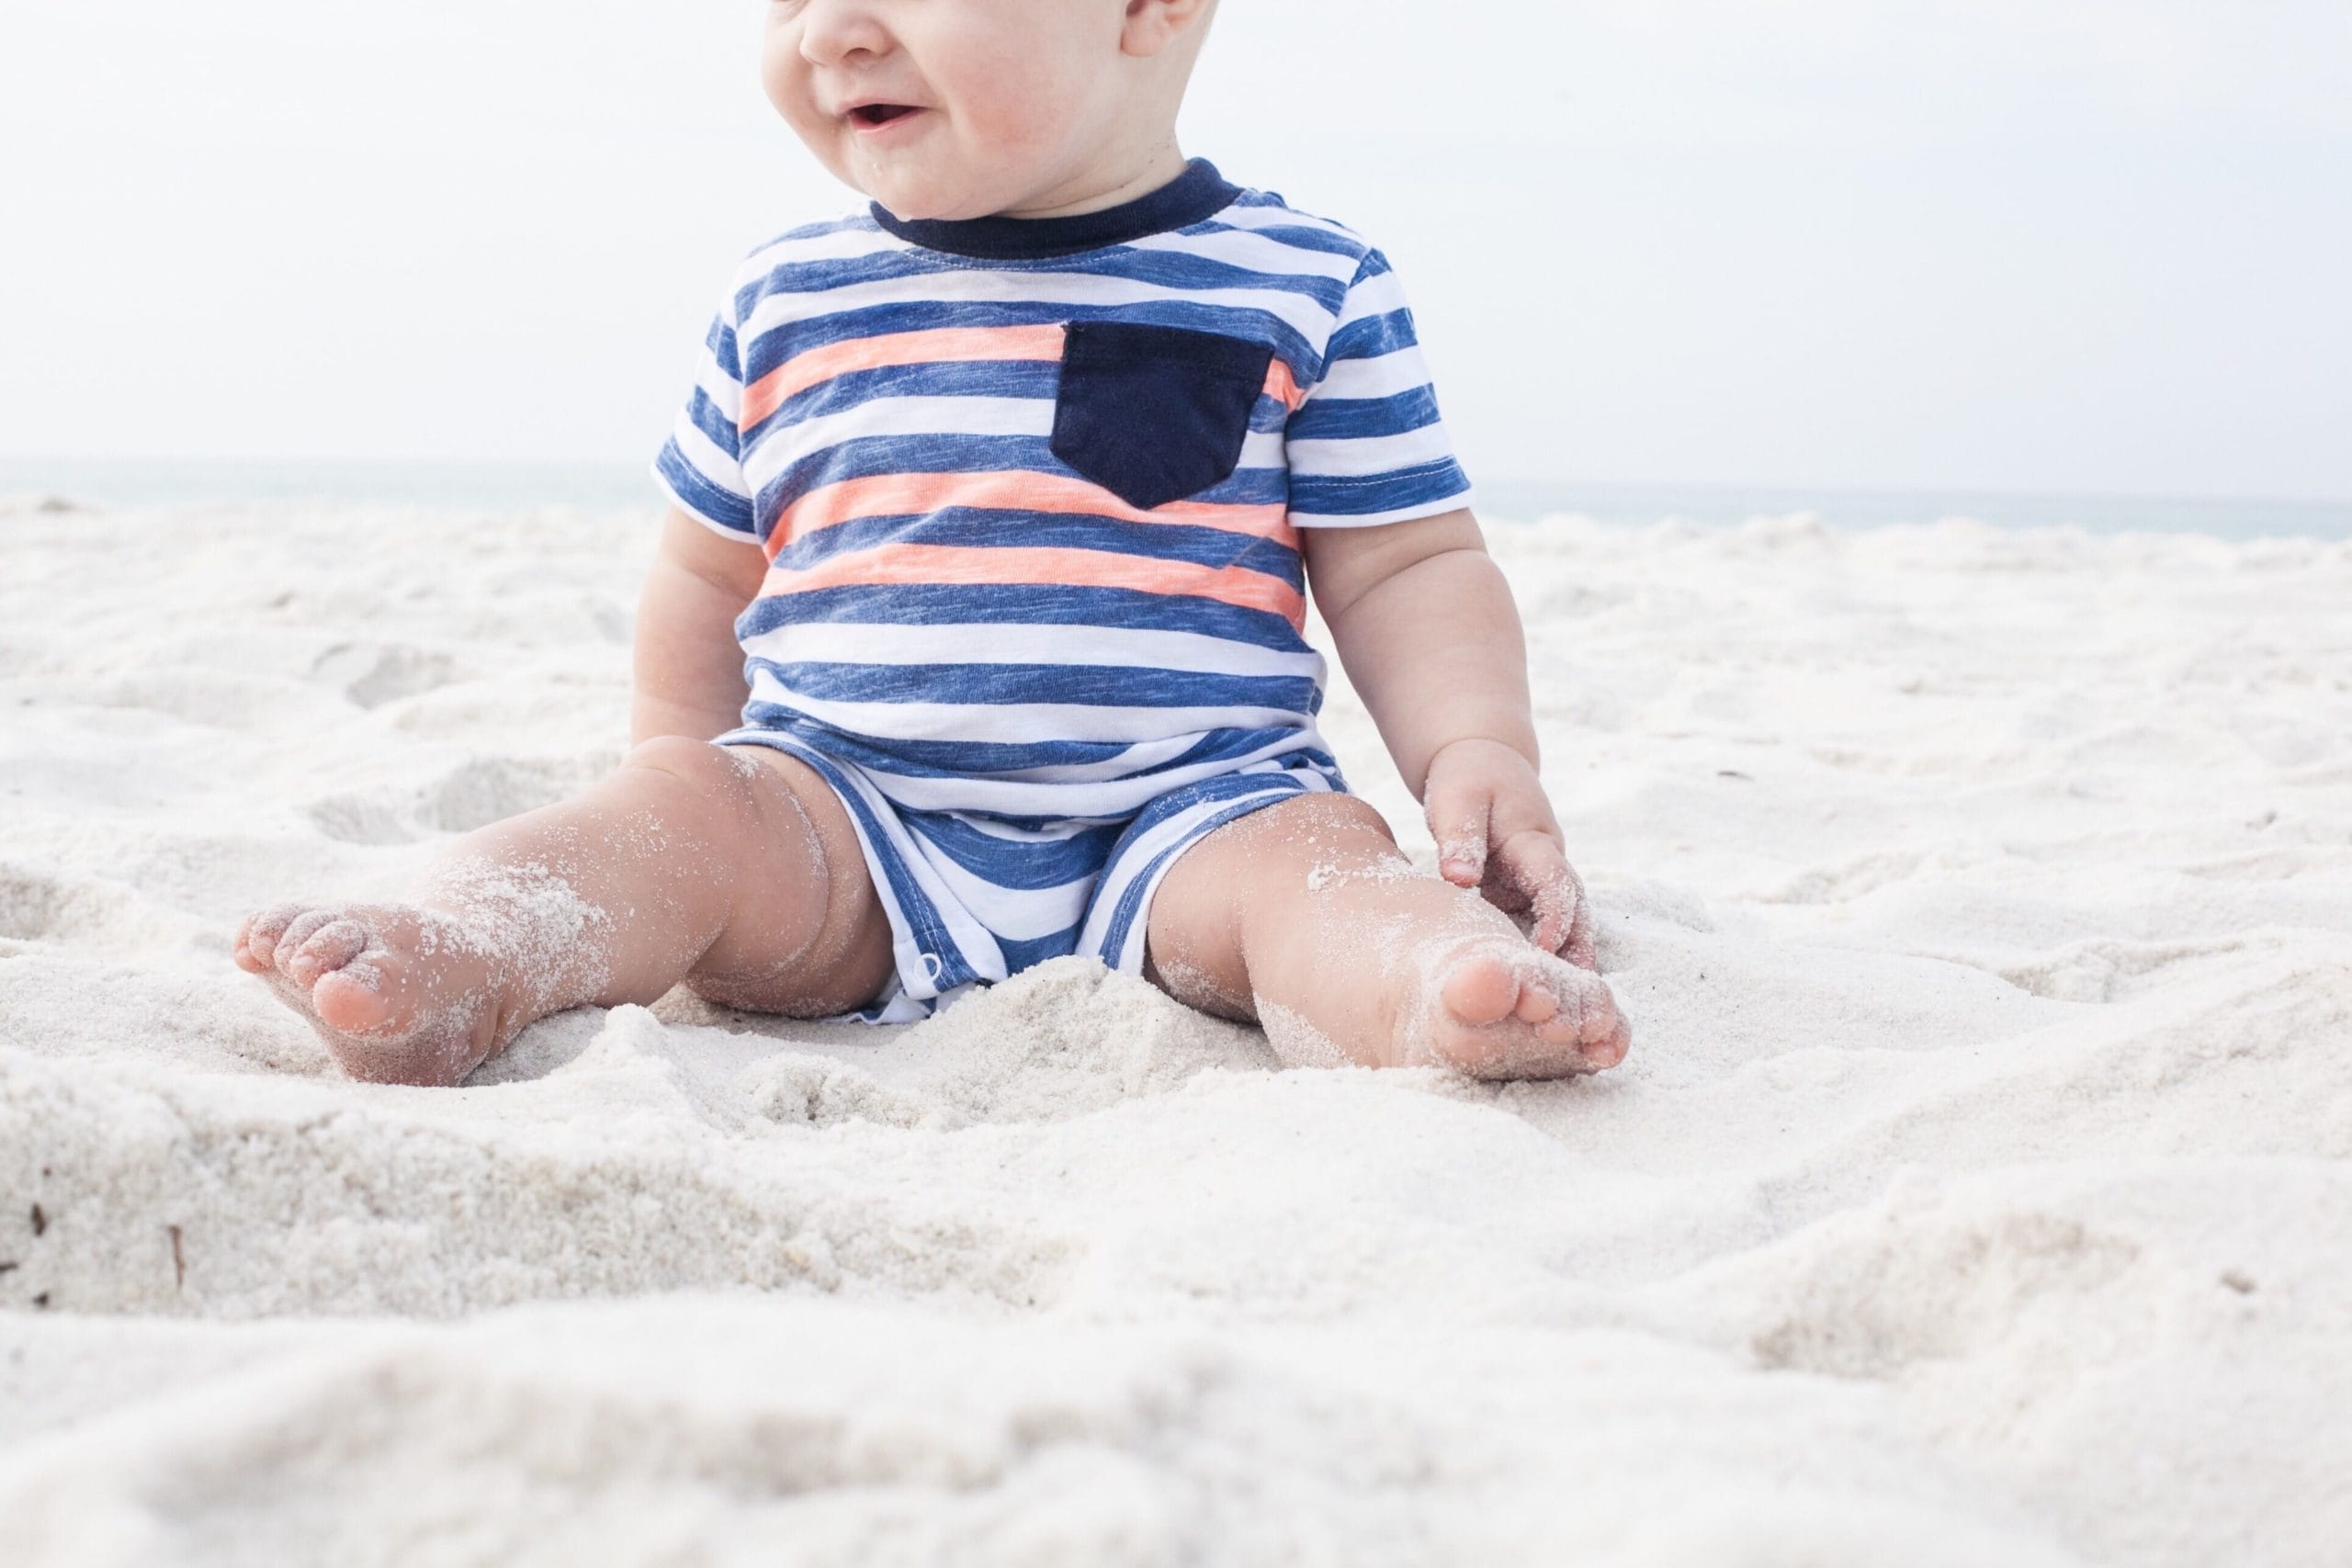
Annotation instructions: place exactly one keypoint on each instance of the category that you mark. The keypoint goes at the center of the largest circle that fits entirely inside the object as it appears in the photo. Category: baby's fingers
(1460, 817)
(1554, 893)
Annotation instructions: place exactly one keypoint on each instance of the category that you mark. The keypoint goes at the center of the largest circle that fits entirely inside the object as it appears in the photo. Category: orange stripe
(939, 345)
(1282, 387)
(1022, 564)
(905, 495)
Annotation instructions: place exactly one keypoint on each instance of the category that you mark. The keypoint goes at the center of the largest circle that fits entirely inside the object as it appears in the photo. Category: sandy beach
(1979, 1190)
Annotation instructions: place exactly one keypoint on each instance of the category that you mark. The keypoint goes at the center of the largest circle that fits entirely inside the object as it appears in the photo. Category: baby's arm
(1426, 629)
(689, 667)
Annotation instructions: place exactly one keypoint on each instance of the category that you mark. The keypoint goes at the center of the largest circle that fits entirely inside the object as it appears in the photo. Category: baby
(974, 638)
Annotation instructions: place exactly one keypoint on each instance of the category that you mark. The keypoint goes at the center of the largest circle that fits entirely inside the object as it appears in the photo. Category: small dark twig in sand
(41, 1221)
(9, 1265)
(179, 1260)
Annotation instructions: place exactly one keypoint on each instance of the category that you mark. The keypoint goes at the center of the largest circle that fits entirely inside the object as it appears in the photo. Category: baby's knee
(718, 774)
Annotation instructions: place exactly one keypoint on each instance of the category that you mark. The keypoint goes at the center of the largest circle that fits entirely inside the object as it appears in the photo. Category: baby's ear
(1155, 26)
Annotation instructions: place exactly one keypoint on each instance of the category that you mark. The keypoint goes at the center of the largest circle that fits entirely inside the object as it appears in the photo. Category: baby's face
(961, 108)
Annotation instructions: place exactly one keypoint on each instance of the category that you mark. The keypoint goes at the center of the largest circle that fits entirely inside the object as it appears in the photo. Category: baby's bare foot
(1498, 1009)
(400, 993)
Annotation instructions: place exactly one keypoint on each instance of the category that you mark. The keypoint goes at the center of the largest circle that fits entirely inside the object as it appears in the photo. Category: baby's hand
(1495, 833)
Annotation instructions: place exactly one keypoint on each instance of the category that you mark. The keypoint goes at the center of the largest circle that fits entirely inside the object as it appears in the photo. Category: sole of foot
(1498, 1010)
(400, 995)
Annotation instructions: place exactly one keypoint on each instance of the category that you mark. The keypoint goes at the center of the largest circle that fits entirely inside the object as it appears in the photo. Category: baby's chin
(919, 189)
(919, 200)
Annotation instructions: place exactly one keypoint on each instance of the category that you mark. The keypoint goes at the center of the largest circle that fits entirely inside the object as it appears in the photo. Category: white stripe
(1375, 296)
(1013, 833)
(1277, 215)
(1380, 376)
(778, 447)
(1138, 758)
(836, 642)
(958, 418)
(739, 536)
(1255, 253)
(1466, 500)
(928, 416)
(1362, 457)
(1107, 800)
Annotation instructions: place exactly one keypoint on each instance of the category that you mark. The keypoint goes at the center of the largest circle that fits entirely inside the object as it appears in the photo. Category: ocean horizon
(171, 482)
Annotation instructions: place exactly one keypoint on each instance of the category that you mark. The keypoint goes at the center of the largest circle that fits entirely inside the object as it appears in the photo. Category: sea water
(153, 481)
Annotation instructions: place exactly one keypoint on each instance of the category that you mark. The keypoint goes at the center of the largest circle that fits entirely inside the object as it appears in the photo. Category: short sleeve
(1366, 445)
(701, 464)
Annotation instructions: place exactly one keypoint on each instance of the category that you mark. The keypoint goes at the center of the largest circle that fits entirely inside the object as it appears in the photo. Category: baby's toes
(257, 943)
(1585, 1022)
(1611, 1051)
(1602, 1033)
(1537, 1004)
(326, 950)
(243, 953)
(1480, 989)
(297, 930)
(369, 995)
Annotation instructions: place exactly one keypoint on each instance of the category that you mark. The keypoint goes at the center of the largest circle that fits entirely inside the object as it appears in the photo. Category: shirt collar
(1196, 194)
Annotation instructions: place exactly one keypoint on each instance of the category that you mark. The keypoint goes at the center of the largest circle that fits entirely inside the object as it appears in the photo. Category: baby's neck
(1106, 186)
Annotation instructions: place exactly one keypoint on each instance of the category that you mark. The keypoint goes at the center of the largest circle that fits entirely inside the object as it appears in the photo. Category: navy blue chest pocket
(1153, 414)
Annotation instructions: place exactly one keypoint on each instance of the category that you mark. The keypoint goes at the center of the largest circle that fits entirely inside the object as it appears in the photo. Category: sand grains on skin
(398, 993)
(409, 994)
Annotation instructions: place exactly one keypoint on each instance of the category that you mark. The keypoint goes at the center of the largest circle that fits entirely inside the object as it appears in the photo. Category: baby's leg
(1306, 917)
(736, 873)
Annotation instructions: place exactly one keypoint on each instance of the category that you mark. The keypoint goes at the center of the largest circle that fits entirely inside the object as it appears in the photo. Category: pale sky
(2092, 245)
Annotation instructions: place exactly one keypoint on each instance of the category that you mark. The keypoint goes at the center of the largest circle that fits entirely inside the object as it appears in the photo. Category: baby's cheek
(1014, 105)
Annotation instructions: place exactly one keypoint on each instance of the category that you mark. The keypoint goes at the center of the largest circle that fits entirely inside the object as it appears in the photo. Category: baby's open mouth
(880, 114)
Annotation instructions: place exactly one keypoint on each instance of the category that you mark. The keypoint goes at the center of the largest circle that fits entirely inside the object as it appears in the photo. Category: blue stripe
(1020, 955)
(1027, 867)
(698, 494)
(720, 341)
(1024, 604)
(1191, 274)
(1077, 685)
(1298, 237)
(985, 528)
(1368, 495)
(712, 421)
(1356, 419)
(1373, 336)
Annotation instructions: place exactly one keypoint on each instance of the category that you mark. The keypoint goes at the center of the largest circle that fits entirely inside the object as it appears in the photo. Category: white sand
(1977, 1192)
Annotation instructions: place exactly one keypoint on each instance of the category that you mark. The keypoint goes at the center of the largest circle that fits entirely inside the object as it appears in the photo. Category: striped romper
(1029, 492)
